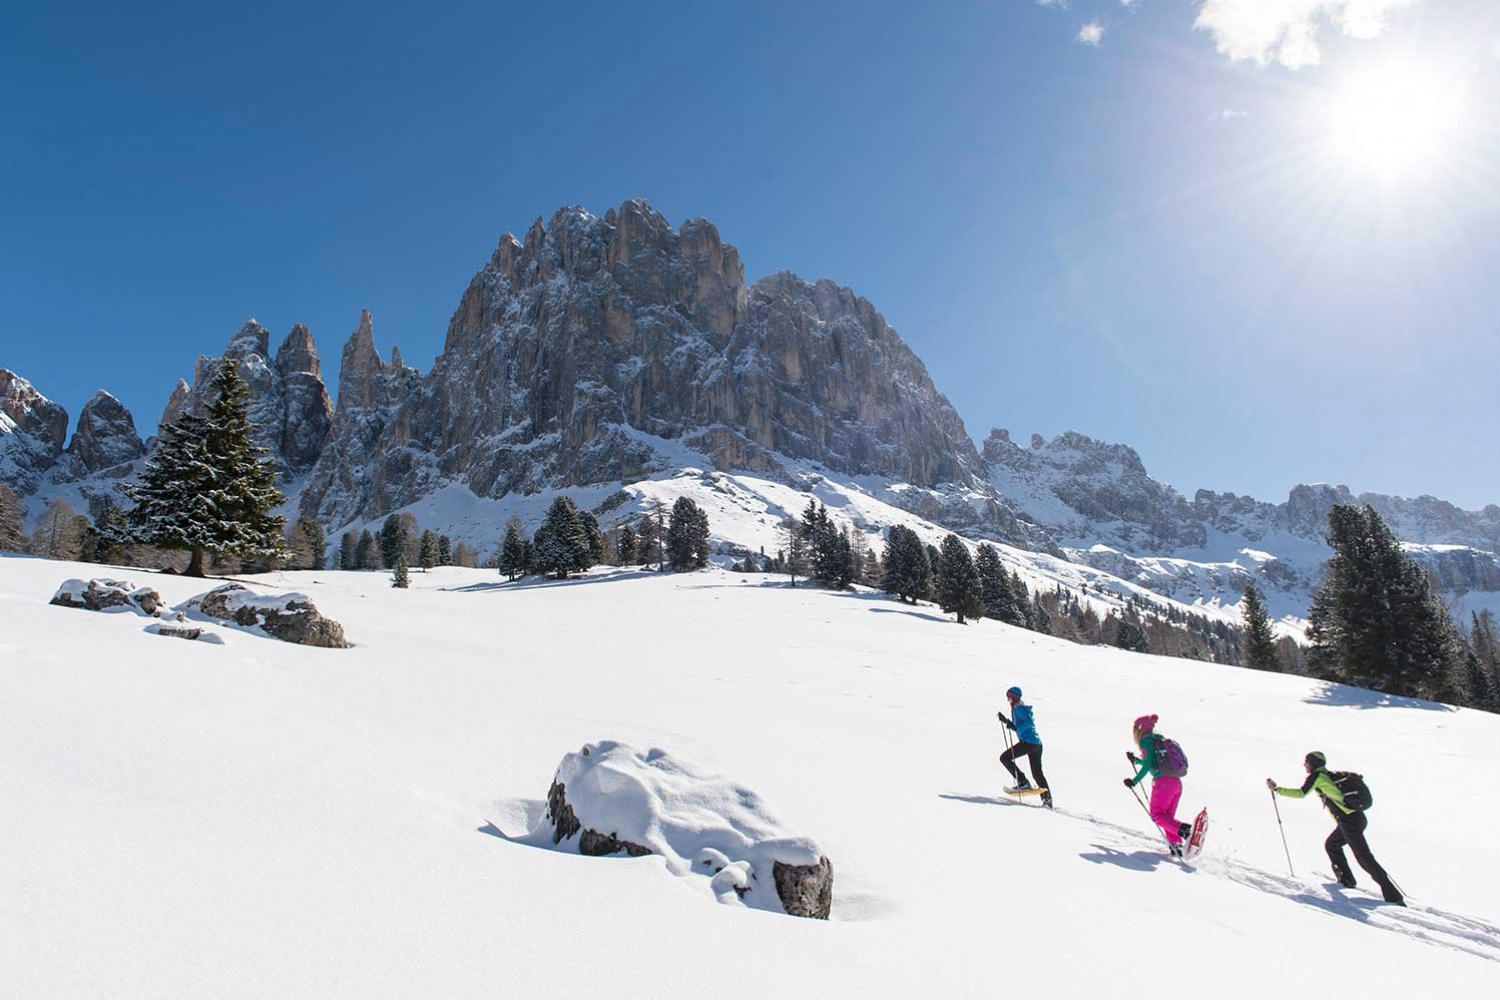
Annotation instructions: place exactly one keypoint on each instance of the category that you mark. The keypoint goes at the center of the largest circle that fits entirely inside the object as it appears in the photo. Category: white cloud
(1091, 34)
(1285, 31)
(1059, 4)
(1129, 3)
(1227, 115)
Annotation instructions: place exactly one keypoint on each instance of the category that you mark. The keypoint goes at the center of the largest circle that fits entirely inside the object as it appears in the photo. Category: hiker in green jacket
(1349, 828)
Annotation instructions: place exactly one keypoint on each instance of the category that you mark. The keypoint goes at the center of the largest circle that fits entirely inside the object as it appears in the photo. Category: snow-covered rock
(99, 594)
(106, 440)
(616, 799)
(32, 431)
(289, 617)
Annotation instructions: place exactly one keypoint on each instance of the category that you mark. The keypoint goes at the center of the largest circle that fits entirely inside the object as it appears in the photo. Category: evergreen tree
(1375, 621)
(650, 537)
(687, 536)
(429, 550)
(625, 546)
(1260, 641)
(210, 488)
(513, 550)
(366, 553)
(392, 540)
(561, 545)
(959, 588)
(111, 531)
(1000, 601)
(445, 550)
(1485, 644)
(12, 521)
(1129, 635)
(908, 574)
(400, 575)
(843, 560)
(590, 524)
(349, 551)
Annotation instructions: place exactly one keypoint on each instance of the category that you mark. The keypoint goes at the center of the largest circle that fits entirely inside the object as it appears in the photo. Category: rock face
(625, 801)
(289, 403)
(289, 617)
(582, 354)
(107, 595)
(32, 431)
(106, 437)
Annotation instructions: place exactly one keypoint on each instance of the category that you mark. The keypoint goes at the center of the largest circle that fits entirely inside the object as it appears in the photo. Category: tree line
(569, 541)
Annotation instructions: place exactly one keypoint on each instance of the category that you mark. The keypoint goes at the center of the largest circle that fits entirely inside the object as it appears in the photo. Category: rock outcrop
(106, 439)
(625, 801)
(32, 431)
(100, 594)
(288, 617)
(289, 404)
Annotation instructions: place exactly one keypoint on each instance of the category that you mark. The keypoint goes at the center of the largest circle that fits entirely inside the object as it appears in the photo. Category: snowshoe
(1195, 838)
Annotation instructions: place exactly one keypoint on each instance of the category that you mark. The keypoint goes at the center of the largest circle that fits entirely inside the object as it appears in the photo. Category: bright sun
(1395, 121)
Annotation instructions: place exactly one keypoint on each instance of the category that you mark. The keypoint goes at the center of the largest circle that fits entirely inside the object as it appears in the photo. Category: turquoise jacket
(1150, 764)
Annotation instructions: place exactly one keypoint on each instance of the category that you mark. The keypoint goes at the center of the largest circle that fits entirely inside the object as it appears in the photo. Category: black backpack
(1356, 793)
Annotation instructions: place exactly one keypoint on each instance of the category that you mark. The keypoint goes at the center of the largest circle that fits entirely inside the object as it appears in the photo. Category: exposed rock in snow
(176, 403)
(289, 617)
(175, 631)
(32, 431)
(100, 594)
(614, 798)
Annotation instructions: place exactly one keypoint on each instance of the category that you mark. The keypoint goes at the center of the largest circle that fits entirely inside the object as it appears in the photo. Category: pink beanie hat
(1146, 723)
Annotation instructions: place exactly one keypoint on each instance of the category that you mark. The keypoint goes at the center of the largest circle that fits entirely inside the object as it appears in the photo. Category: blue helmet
(1014, 692)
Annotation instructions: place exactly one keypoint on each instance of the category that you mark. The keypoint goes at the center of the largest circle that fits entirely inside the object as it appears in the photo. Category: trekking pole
(1147, 810)
(1277, 806)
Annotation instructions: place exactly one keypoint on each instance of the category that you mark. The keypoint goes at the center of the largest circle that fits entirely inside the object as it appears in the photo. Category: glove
(1004, 721)
(1132, 757)
(1129, 783)
(1271, 784)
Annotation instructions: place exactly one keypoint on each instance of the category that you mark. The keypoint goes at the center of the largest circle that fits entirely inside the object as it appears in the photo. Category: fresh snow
(258, 819)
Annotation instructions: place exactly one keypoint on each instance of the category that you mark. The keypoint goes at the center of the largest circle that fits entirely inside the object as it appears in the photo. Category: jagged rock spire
(106, 435)
(299, 353)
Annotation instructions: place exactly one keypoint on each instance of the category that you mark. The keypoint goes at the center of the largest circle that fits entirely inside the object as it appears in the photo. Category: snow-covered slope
(263, 820)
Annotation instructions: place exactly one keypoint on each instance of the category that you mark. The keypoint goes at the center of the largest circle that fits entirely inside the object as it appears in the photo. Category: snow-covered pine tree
(513, 550)
(1375, 621)
(958, 586)
(400, 575)
(561, 545)
(210, 488)
(429, 550)
(1260, 641)
(625, 546)
(12, 521)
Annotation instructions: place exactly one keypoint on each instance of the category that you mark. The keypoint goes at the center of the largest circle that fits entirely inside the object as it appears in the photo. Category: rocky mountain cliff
(600, 351)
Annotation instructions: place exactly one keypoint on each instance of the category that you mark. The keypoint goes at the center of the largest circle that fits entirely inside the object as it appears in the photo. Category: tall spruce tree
(445, 550)
(348, 551)
(392, 539)
(959, 589)
(210, 488)
(1260, 641)
(908, 573)
(306, 542)
(794, 557)
(1375, 621)
(589, 522)
(561, 544)
(428, 550)
(650, 535)
(400, 575)
(366, 553)
(625, 546)
(687, 536)
(513, 550)
(1000, 601)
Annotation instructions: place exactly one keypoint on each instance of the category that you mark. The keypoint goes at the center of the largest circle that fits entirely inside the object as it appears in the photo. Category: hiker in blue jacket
(1028, 743)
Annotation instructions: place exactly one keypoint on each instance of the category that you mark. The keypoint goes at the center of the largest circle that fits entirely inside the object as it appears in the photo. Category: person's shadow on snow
(1136, 861)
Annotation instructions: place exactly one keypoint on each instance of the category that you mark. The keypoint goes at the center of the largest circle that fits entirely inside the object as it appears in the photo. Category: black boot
(1184, 830)
(1392, 894)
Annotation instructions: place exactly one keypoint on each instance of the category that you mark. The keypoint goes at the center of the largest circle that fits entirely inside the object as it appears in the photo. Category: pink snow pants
(1165, 794)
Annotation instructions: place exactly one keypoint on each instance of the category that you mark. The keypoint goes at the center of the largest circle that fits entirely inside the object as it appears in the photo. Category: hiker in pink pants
(1160, 759)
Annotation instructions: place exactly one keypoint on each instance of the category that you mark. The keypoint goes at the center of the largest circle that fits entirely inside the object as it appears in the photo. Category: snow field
(264, 820)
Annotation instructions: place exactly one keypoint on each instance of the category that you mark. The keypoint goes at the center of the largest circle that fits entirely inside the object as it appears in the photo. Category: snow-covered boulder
(107, 595)
(289, 617)
(610, 798)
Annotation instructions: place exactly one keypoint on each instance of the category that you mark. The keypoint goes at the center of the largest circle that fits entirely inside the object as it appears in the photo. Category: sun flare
(1395, 121)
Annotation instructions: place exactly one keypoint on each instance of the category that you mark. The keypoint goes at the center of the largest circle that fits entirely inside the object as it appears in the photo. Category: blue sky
(1255, 241)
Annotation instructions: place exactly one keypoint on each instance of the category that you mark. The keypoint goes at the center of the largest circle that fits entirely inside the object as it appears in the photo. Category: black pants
(1033, 753)
(1351, 831)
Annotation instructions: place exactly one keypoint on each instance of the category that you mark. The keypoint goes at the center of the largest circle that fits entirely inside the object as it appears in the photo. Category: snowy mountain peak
(106, 435)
